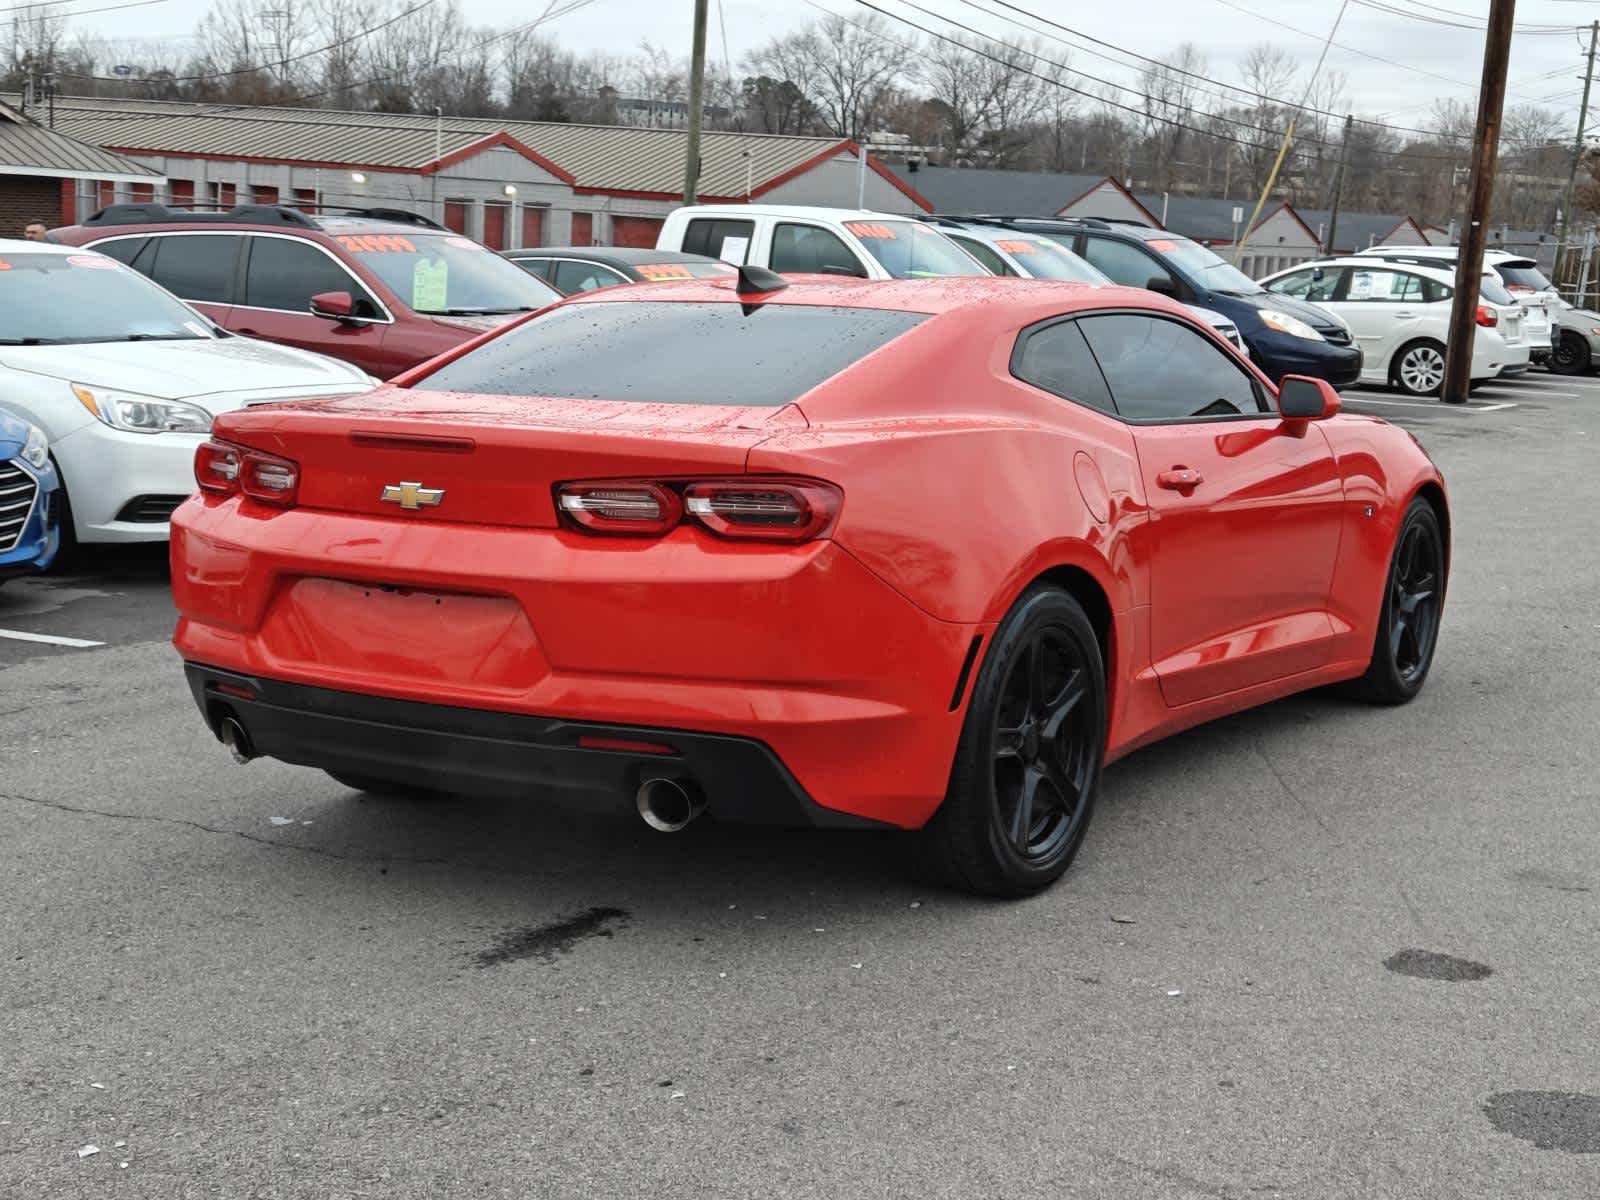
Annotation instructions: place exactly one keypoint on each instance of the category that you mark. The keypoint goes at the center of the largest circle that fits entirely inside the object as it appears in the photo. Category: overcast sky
(1435, 60)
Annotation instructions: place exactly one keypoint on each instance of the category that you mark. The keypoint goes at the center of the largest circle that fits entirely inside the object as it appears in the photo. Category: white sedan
(124, 379)
(1400, 315)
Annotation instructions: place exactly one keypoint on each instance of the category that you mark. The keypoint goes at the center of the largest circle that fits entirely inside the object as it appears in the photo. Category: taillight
(223, 469)
(777, 510)
(626, 506)
(217, 466)
(1487, 317)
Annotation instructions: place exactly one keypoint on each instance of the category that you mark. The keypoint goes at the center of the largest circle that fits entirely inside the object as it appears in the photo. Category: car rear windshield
(662, 353)
(1524, 276)
(57, 299)
(908, 250)
(445, 275)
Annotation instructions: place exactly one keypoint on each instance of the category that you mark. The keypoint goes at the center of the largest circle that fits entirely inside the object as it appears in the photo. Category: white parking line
(46, 639)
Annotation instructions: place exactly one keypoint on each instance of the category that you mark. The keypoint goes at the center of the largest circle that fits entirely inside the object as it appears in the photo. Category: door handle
(247, 331)
(1405, 316)
(1180, 479)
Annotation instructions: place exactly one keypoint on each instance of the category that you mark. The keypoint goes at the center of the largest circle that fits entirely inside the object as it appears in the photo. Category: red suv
(379, 288)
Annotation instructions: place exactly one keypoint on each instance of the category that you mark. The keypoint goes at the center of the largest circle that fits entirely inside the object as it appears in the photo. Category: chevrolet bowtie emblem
(412, 496)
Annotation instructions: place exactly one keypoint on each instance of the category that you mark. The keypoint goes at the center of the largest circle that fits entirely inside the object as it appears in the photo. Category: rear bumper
(800, 650)
(507, 755)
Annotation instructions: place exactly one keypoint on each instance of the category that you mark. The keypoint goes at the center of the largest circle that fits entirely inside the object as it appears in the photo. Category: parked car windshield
(446, 275)
(1043, 258)
(1213, 272)
(58, 299)
(908, 250)
(664, 353)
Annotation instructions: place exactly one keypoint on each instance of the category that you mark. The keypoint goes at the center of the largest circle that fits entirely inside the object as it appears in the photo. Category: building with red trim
(41, 170)
(506, 183)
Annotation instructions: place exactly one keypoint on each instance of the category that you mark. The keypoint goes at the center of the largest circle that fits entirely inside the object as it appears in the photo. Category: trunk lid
(490, 460)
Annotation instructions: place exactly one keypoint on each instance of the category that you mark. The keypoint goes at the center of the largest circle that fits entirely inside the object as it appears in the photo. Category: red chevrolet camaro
(920, 555)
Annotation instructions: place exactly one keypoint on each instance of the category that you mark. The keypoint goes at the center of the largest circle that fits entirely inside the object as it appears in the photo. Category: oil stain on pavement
(1567, 1121)
(557, 937)
(1425, 964)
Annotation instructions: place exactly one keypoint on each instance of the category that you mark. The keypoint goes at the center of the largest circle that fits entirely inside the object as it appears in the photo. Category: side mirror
(1302, 398)
(335, 306)
(1162, 284)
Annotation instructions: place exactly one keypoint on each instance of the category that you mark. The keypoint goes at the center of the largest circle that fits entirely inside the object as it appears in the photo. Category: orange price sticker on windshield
(660, 271)
(1011, 247)
(1164, 247)
(869, 229)
(95, 262)
(4, 265)
(373, 243)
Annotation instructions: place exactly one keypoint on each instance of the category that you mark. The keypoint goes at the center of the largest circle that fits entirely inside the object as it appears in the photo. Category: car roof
(1128, 226)
(935, 295)
(981, 230)
(807, 212)
(1440, 273)
(24, 246)
(1505, 258)
(622, 256)
(136, 218)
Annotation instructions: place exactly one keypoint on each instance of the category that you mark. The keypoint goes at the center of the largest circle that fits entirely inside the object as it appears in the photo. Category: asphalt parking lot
(1317, 950)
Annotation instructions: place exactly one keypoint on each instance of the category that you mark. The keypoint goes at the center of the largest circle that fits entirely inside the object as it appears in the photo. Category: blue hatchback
(30, 499)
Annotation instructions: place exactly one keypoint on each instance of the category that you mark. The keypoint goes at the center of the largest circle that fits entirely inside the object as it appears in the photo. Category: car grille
(17, 491)
(150, 510)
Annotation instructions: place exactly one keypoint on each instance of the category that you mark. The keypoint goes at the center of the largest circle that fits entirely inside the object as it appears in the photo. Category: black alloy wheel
(1028, 765)
(1570, 355)
(1408, 627)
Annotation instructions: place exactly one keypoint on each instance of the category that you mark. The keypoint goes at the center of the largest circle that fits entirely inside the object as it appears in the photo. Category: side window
(542, 268)
(1433, 292)
(983, 254)
(708, 235)
(195, 266)
(1127, 265)
(573, 277)
(1313, 283)
(285, 274)
(1380, 287)
(813, 249)
(124, 250)
(1161, 370)
(1408, 288)
(1057, 358)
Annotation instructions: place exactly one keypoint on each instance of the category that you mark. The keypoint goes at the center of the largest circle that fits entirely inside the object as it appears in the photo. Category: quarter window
(1160, 370)
(1057, 359)
(194, 266)
(285, 274)
(809, 248)
(710, 235)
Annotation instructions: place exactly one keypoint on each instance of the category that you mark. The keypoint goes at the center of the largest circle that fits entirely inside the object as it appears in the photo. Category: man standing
(34, 231)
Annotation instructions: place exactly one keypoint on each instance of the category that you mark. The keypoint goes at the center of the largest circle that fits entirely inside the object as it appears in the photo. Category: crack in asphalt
(1294, 795)
(201, 826)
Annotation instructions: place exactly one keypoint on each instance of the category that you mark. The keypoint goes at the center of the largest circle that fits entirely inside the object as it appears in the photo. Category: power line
(83, 12)
(1461, 20)
(276, 62)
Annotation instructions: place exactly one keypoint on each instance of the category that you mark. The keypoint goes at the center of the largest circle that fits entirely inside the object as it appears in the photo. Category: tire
(67, 551)
(1570, 356)
(385, 788)
(1417, 368)
(1408, 623)
(1035, 727)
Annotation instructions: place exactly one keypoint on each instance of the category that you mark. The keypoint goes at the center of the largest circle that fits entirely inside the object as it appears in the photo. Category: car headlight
(142, 414)
(1293, 326)
(35, 451)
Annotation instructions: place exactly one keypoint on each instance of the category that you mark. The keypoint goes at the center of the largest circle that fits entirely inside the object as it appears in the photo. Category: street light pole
(1469, 262)
(697, 98)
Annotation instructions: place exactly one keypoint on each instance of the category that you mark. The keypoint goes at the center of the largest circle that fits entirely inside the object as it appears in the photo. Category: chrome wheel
(1421, 369)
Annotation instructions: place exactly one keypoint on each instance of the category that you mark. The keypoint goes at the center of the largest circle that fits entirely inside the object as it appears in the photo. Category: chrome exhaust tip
(232, 735)
(668, 805)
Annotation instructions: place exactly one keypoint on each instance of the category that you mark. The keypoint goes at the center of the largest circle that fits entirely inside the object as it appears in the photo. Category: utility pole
(1564, 218)
(1480, 198)
(697, 100)
(1338, 185)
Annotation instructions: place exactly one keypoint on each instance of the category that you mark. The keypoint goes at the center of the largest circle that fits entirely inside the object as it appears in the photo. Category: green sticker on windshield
(430, 279)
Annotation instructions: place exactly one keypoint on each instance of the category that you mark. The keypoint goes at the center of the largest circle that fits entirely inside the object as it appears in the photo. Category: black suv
(1284, 336)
